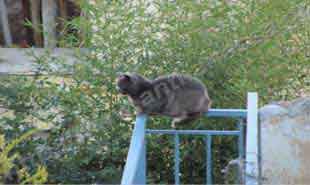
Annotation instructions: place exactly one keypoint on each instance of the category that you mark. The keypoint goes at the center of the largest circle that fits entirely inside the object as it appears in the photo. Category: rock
(300, 107)
(285, 141)
(272, 110)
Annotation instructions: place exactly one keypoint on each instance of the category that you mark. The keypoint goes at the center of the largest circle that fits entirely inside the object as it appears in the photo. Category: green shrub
(7, 164)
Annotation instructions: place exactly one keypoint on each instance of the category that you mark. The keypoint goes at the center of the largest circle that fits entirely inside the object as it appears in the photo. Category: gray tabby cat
(181, 97)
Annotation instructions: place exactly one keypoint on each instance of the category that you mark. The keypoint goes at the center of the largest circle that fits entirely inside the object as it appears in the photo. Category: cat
(178, 96)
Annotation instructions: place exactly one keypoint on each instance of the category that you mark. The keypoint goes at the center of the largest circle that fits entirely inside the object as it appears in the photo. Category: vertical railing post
(176, 160)
(209, 159)
(241, 152)
(140, 177)
(252, 139)
(135, 168)
(241, 139)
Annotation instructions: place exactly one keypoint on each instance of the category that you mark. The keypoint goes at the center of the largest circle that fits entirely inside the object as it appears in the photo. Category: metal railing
(135, 168)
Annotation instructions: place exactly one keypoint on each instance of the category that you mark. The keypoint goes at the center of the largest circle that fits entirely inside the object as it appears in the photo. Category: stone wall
(285, 141)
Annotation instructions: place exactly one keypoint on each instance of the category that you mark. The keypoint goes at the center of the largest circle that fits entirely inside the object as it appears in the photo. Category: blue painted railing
(135, 168)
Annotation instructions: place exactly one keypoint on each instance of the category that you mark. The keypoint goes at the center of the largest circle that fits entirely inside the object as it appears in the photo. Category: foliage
(7, 165)
(232, 46)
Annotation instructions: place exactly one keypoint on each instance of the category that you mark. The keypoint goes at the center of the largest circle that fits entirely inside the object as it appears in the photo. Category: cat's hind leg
(185, 118)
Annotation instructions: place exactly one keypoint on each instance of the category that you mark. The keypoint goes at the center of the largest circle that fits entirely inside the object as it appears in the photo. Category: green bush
(7, 166)
(232, 46)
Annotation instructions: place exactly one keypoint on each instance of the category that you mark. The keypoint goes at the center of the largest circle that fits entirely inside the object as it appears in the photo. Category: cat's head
(132, 84)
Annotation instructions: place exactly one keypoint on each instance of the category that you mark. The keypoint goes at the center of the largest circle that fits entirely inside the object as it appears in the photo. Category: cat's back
(179, 81)
(181, 95)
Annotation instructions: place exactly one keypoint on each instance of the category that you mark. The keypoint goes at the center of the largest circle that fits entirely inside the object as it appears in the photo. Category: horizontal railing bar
(194, 132)
(232, 113)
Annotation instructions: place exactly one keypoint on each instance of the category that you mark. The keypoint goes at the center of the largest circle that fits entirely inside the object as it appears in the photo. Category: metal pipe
(194, 132)
(176, 160)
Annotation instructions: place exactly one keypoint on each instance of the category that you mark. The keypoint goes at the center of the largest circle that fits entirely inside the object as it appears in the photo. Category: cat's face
(124, 83)
(132, 84)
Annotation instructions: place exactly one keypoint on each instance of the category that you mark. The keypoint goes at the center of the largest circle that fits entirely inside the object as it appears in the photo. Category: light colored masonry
(285, 141)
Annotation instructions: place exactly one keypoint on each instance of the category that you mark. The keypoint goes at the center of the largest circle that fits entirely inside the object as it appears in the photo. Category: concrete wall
(285, 133)
(20, 61)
